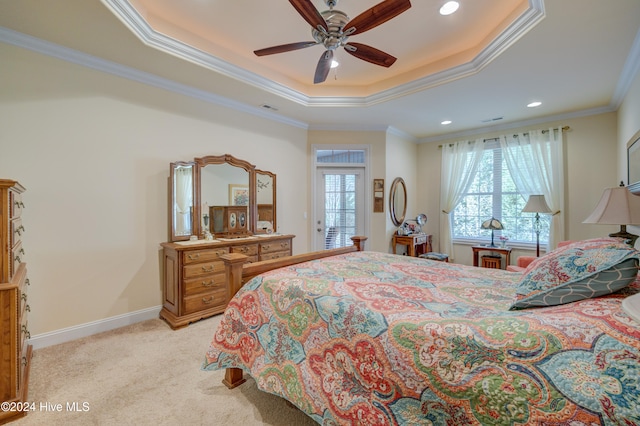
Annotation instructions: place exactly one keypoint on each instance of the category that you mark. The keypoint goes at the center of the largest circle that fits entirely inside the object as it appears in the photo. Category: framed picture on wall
(238, 195)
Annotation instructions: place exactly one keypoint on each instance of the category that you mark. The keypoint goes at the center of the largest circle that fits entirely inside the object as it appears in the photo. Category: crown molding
(73, 56)
(516, 124)
(137, 24)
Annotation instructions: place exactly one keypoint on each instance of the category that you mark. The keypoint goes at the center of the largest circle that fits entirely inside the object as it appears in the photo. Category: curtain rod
(564, 129)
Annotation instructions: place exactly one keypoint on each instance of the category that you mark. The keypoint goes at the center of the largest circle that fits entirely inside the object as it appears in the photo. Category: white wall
(628, 131)
(93, 151)
(400, 157)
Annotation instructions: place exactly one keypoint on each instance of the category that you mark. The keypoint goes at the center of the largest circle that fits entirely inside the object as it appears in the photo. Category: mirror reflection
(222, 185)
(266, 199)
(220, 196)
(182, 199)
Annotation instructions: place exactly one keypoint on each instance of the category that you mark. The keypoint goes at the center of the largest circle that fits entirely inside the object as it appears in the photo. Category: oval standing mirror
(266, 201)
(181, 179)
(398, 201)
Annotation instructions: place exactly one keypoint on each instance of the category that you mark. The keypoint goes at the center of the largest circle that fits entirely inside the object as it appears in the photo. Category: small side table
(504, 251)
(416, 243)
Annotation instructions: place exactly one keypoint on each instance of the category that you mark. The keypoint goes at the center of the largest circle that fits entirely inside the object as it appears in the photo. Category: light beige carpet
(145, 374)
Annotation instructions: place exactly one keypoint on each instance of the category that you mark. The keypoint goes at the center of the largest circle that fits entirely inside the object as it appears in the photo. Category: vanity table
(417, 244)
(215, 206)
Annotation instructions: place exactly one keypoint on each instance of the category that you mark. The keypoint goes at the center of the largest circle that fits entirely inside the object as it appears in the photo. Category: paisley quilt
(379, 339)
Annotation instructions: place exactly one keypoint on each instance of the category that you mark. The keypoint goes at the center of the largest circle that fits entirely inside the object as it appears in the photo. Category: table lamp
(492, 224)
(617, 206)
(536, 204)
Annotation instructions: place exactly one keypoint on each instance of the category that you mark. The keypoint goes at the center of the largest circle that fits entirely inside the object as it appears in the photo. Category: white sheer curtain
(535, 162)
(184, 200)
(460, 162)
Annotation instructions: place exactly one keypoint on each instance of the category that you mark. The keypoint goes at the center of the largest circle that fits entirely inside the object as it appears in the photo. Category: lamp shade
(536, 204)
(618, 206)
(492, 223)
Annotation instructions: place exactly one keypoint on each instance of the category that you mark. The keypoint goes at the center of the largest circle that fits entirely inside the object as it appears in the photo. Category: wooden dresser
(15, 352)
(194, 284)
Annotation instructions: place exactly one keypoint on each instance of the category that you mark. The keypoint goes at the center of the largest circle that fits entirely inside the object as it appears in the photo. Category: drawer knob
(207, 268)
(266, 246)
(194, 256)
(211, 283)
(207, 300)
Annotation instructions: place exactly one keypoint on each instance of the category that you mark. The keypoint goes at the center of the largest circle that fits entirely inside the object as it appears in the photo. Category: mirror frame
(197, 199)
(398, 184)
(273, 197)
(172, 199)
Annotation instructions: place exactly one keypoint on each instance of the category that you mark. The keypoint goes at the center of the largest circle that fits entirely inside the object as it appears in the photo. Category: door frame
(363, 167)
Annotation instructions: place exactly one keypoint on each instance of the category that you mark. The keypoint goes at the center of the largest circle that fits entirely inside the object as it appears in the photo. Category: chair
(523, 261)
(330, 239)
(489, 261)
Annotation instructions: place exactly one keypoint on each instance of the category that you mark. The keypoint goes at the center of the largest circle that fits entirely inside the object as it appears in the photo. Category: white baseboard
(83, 330)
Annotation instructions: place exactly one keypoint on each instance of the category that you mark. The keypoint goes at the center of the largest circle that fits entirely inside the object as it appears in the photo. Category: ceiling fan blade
(378, 14)
(284, 48)
(324, 65)
(370, 54)
(308, 11)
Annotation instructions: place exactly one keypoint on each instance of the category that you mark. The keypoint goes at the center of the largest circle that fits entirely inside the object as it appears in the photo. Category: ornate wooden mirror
(225, 196)
(182, 190)
(266, 202)
(222, 188)
(398, 201)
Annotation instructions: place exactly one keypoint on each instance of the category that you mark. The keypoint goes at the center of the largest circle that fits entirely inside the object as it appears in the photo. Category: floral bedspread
(374, 338)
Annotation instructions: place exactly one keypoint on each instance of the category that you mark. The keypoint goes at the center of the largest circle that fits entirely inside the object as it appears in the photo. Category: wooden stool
(491, 262)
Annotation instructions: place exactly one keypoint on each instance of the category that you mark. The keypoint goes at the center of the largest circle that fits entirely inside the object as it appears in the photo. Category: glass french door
(339, 206)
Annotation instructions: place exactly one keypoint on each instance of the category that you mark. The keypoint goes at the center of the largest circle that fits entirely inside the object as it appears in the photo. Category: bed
(362, 337)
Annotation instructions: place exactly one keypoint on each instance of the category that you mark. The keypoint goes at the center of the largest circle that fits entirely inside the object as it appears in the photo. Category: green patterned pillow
(578, 271)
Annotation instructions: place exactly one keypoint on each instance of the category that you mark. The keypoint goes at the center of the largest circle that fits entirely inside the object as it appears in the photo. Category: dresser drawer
(17, 257)
(16, 204)
(199, 269)
(421, 239)
(204, 255)
(248, 250)
(205, 301)
(204, 284)
(17, 229)
(274, 246)
(275, 255)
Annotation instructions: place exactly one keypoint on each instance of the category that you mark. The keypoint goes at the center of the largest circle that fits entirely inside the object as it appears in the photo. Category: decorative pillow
(577, 271)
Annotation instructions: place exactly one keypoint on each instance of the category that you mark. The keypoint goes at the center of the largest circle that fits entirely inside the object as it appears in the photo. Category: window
(493, 194)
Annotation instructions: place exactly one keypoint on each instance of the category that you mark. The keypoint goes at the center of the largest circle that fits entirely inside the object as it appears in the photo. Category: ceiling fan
(332, 28)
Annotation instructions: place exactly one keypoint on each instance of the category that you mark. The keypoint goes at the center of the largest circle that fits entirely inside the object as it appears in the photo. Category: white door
(339, 211)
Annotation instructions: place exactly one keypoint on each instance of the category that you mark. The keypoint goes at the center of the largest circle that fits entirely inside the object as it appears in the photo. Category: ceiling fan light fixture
(334, 63)
(449, 7)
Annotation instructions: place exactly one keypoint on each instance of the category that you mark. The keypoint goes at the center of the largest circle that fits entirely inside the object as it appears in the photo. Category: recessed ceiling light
(449, 8)
(534, 104)
(445, 122)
